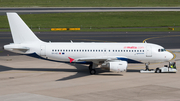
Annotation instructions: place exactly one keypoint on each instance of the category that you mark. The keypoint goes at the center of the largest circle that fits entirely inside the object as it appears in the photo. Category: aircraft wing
(106, 58)
(103, 58)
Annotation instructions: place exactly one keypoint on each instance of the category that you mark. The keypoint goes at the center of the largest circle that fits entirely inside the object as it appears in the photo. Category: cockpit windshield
(161, 50)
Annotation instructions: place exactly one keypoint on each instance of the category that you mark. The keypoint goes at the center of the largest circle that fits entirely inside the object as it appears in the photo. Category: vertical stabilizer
(21, 33)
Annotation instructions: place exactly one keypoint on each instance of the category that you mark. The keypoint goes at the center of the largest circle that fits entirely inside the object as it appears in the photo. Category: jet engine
(117, 66)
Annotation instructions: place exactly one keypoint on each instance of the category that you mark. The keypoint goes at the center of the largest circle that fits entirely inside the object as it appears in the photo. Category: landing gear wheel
(92, 71)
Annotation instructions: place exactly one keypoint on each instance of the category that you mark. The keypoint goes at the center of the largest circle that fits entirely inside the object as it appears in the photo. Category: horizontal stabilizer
(16, 48)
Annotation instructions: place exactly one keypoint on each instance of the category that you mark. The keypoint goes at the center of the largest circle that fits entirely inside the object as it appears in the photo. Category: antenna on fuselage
(71, 41)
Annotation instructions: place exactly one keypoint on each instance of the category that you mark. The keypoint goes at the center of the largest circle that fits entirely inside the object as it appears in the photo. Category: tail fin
(21, 33)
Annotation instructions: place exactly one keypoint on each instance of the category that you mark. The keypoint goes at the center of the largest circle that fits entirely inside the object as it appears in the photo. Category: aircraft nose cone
(171, 56)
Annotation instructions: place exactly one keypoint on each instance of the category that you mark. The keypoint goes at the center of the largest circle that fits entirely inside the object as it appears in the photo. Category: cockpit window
(161, 50)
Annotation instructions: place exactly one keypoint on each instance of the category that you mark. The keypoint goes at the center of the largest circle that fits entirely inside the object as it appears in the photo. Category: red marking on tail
(71, 59)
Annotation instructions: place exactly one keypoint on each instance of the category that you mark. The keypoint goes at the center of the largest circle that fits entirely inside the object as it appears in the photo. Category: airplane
(109, 56)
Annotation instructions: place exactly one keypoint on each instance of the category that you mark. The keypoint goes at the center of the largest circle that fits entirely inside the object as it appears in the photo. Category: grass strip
(129, 21)
(89, 3)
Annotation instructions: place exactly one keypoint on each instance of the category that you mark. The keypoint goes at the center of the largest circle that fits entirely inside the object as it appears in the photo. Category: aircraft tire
(92, 71)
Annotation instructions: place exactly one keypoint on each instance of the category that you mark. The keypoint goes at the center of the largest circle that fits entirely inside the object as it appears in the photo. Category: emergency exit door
(148, 51)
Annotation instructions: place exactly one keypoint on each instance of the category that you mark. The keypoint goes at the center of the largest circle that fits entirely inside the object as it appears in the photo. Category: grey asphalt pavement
(24, 78)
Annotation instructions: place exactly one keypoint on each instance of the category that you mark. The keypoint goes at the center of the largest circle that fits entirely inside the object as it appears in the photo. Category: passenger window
(129, 50)
(159, 50)
(134, 50)
(126, 50)
(52, 50)
(137, 50)
(104, 50)
(74, 50)
(101, 50)
(113, 50)
(109, 50)
(140, 50)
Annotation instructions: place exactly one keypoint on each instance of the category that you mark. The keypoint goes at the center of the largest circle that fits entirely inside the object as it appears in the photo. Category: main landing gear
(92, 70)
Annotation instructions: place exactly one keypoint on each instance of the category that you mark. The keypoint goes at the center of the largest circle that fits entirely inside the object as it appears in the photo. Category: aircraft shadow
(132, 70)
(80, 70)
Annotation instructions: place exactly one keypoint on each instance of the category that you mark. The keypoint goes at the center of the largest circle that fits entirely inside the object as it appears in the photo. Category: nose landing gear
(147, 70)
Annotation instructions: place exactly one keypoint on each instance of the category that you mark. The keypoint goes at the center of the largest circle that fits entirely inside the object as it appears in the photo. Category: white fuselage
(140, 52)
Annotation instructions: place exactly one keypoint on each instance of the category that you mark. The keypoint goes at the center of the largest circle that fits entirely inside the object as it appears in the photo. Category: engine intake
(117, 66)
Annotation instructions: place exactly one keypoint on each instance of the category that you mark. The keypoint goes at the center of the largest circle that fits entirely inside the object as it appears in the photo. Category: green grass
(97, 21)
(89, 3)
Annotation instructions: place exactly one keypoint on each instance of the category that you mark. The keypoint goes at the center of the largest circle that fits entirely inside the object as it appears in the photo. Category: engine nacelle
(117, 66)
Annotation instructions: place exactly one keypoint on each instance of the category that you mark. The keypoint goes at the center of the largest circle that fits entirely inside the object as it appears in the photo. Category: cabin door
(148, 51)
